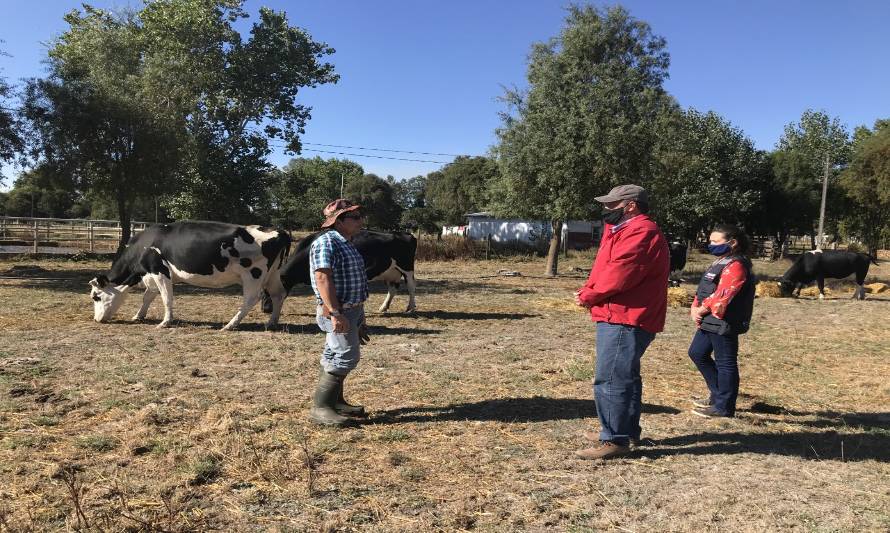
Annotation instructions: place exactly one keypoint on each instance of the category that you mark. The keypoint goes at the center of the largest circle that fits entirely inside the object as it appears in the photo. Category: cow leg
(148, 297)
(411, 282)
(275, 294)
(390, 293)
(252, 289)
(820, 281)
(859, 293)
(165, 289)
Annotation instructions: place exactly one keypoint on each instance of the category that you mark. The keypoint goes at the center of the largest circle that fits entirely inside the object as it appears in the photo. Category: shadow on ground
(813, 445)
(535, 409)
(464, 315)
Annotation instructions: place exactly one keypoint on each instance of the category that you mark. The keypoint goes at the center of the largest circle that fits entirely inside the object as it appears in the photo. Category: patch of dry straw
(679, 297)
(768, 289)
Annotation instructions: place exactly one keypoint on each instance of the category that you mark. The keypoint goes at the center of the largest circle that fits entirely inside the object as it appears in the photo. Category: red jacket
(629, 279)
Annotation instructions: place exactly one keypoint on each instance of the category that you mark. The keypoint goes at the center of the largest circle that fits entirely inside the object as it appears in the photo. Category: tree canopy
(586, 122)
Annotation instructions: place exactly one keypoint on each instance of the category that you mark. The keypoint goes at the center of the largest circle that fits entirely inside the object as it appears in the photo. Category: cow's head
(107, 299)
(786, 287)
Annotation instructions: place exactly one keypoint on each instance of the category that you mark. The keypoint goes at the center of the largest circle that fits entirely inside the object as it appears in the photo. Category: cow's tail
(873, 258)
(285, 247)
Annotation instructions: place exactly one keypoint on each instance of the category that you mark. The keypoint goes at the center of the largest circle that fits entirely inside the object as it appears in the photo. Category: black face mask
(613, 216)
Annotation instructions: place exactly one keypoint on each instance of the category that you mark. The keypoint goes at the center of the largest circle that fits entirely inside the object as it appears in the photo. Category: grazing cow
(389, 257)
(820, 264)
(206, 254)
(678, 262)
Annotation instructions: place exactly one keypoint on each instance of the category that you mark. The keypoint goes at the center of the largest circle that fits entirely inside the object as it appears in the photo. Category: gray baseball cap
(625, 192)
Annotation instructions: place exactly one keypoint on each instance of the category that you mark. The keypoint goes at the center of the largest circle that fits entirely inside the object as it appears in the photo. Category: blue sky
(425, 76)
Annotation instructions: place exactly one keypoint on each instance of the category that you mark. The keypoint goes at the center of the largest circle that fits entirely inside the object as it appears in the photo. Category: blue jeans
(721, 372)
(617, 386)
(341, 350)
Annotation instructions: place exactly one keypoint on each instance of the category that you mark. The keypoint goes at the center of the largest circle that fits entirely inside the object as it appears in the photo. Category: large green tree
(587, 120)
(461, 187)
(866, 182)
(172, 101)
(10, 140)
(810, 155)
(706, 171)
(298, 192)
(377, 198)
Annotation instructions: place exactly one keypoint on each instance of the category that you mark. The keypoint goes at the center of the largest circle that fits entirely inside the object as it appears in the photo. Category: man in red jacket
(627, 297)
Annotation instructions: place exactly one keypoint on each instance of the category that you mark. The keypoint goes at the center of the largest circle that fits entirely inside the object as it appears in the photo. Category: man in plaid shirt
(340, 284)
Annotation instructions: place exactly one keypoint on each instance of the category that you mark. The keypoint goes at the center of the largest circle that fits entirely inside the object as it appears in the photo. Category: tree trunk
(553, 252)
(825, 171)
(123, 213)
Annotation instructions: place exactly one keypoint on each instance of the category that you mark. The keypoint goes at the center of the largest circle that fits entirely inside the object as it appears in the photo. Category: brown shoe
(595, 436)
(604, 450)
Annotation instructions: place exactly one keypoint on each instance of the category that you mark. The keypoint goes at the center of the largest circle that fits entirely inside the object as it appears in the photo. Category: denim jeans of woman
(721, 372)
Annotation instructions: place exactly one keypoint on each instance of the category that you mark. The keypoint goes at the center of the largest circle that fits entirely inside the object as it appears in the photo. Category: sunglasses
(354, 216)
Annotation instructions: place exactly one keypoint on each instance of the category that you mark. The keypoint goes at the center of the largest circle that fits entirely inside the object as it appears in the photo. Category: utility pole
(341, 184)
(825, 170)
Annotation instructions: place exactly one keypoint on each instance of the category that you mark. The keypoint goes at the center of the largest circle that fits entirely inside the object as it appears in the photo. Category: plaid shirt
(331, 250)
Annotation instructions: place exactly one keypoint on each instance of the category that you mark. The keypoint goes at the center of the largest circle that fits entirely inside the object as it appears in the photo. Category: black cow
(206, 254)
(820, 264)
(678, 262)
(389, 257)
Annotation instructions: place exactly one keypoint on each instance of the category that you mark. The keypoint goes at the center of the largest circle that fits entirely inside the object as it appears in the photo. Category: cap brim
(606, 199)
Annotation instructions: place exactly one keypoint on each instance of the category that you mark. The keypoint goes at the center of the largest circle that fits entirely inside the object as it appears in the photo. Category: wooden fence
(51, 234)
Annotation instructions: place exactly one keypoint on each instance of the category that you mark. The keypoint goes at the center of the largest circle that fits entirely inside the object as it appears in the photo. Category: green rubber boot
(323, 405)
(345, 408)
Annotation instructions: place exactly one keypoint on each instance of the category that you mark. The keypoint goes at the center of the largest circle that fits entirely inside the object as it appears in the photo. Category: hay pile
(768, 289)
(678, 297)
(814, 291)
(561, 304)
(876, 288)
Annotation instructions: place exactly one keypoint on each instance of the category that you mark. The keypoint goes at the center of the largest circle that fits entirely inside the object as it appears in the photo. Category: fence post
(488, 247)
(36, 236)
(90, 234)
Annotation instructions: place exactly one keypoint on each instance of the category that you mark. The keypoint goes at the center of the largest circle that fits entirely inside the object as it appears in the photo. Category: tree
(165, 102)
(298, 192)
(461, 187)
(91, 119)
(867, 184)
(586, 121)
(10, 141)
(377, 199)
(707, 171)
(813, 152)
(410, 194)
(40, 193)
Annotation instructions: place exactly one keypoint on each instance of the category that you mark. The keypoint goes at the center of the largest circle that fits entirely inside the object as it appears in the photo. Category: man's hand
(341, 325)
(363, 337)
(578, 300)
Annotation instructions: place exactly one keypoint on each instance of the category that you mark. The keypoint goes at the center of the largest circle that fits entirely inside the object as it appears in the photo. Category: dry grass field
(476, 401)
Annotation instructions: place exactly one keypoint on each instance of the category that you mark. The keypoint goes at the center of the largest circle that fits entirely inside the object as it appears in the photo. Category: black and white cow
(206, 254)
(678, 262)
(820, 264)
(389, 257)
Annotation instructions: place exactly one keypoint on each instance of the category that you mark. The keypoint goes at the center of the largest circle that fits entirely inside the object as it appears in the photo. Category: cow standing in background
(678, 252)
(820, 264)
(205, 254)
(389, 257)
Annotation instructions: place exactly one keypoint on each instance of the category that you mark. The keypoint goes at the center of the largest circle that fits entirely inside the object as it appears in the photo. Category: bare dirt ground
(476, 406)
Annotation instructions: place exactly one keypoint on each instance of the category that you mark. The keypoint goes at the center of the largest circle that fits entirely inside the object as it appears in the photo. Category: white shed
(576, 234)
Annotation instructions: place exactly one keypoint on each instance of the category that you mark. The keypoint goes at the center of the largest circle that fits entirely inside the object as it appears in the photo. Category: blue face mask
(720, 249)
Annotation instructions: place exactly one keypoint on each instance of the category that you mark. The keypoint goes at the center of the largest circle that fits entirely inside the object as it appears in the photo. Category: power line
(380, 149)
(375, 156)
